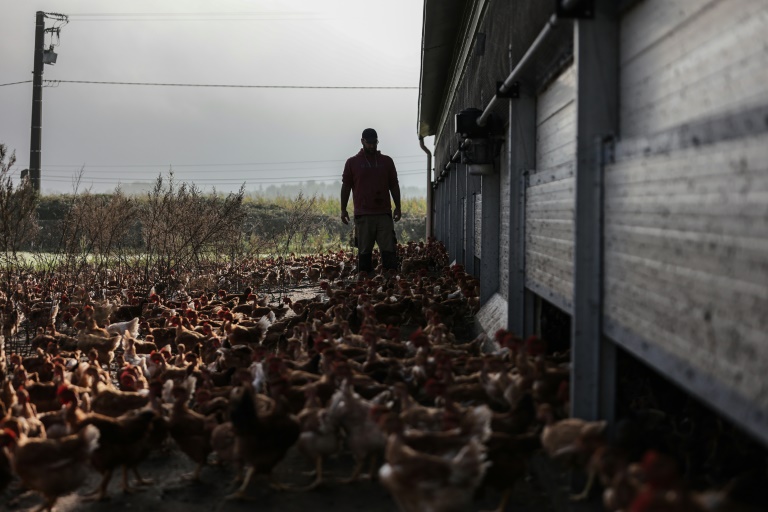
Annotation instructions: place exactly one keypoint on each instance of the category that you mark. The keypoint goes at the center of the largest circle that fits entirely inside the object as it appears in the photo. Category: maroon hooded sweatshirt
(372, 178)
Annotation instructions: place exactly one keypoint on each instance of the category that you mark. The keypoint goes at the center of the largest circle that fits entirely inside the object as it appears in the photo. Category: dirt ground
(171, 493)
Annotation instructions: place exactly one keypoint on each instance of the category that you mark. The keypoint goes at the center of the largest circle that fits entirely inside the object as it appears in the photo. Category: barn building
(602, 166)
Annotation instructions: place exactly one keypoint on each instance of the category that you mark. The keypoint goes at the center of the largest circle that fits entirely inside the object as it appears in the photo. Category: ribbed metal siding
(690, 59)
(504, 24)
(686, 229)
(504, 229)
(549, 211)
(464, 221)
(478, 221)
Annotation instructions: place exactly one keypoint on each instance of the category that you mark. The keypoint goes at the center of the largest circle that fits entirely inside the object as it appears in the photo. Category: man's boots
(389, 260)
(365, 262)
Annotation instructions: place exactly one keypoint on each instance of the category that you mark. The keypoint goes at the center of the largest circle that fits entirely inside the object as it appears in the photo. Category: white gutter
(429, 186)
(467, 42)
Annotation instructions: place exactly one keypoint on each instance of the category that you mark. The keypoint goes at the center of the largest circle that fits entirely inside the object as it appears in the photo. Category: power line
(121, 14)
(400, 172)
(268, 179)
(176, 171)
(223, 164)
(147, 19)
(62, 172)
(235, 86)
(50, 83)
(202, 16)
(68, 169)
(59, 172)
(405, 172)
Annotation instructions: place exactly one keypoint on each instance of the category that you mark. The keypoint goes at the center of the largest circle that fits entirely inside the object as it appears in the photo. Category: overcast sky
(209, 135)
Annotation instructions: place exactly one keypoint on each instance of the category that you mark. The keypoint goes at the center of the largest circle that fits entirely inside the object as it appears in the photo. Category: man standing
(371, 177)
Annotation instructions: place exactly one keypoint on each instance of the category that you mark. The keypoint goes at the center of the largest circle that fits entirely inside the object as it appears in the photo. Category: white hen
(131, 326)
(423, 482)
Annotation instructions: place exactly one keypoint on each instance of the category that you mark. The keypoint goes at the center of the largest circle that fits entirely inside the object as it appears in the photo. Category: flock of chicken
(371, 365)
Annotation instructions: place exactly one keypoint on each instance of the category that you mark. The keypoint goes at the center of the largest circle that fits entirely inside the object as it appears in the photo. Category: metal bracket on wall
(608, 150)
(512, 93)
(575, 9)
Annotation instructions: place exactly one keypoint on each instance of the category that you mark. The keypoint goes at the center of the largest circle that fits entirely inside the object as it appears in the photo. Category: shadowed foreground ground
(171, 494)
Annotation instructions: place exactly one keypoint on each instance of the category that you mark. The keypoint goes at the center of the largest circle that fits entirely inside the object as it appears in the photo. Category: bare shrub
(18, 220)
(90, 240)
(182, 228)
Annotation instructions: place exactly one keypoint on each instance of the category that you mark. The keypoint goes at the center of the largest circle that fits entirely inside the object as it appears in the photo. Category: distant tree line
(172, 229)
(307, 188)
(260, 214)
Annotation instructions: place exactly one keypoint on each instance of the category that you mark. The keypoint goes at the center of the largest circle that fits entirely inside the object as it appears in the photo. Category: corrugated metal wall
(549, 208)
(690, 59)
(478, 82)
(478, 217)
(684, 222)
(686, 202)
(504, 231)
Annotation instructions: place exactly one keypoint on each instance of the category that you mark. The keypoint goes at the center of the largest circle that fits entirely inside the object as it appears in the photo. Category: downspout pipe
(429, 187)
(512, 78)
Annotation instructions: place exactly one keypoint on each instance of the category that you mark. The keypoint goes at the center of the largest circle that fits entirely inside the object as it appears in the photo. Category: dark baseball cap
(370, 134)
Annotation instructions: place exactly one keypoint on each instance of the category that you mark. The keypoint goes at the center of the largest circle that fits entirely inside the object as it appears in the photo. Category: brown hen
(263, 437)
(52, 467)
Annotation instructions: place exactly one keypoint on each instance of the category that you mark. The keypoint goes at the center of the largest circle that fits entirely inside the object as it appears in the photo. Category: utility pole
(41, 57)
(35, 145)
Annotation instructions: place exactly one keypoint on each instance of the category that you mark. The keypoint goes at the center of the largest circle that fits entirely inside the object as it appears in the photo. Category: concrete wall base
(493, 315)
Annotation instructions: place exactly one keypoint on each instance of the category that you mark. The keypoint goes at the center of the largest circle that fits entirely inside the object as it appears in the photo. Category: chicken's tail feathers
(337, 399)
(470, 464)
(594, 428)
(190, 384)
(264, 324)
(167, 394)
(481, 427)
(257, 372)
(133, 327)
(90, 435)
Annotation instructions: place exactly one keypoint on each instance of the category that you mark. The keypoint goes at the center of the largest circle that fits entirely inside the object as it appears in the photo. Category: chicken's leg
(126, 486)
(195, 476)
(504, 499)
(21, 497)
(355, 472)
(238, 477)
(239, 494)
(372, 469)
(140, 480)
(101, 492)
(318, 476)
(48, 505)
(584, 494)
(274, 484)
(127, 489)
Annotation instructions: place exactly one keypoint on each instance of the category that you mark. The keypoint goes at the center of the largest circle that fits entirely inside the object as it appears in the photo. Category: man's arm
(345, 190)
(394, 189)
